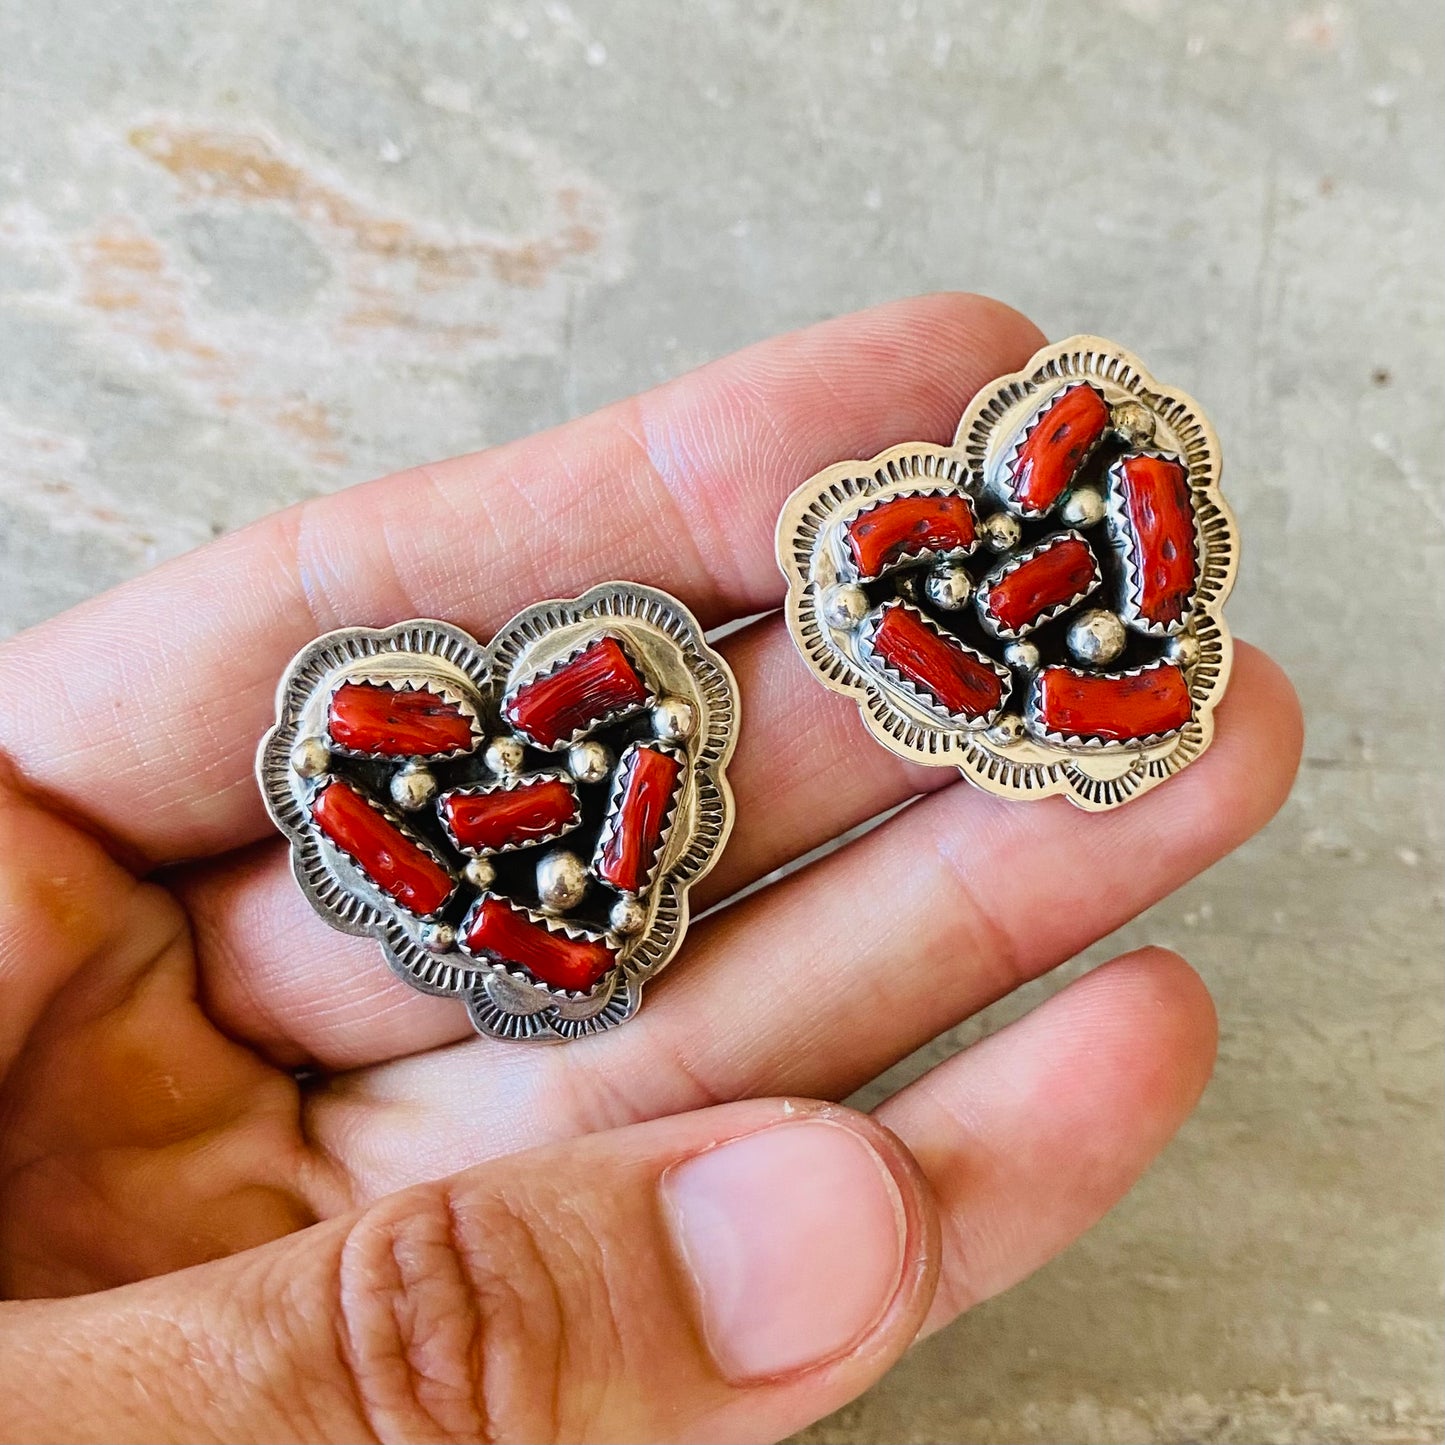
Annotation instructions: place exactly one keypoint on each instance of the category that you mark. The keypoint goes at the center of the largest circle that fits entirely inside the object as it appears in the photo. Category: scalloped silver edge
(809, 513)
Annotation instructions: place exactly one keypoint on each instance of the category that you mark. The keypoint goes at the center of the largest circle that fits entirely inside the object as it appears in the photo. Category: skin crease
(164, 986)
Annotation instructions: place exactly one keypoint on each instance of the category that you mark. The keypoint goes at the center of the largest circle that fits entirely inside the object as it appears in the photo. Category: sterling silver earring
(517, 824)
(1040, 604)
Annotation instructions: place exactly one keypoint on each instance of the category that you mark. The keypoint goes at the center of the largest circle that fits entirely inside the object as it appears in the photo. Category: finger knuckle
(452, 1321)
(973, 916)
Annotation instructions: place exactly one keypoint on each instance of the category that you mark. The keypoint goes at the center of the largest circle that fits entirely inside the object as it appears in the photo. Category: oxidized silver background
(591, 197)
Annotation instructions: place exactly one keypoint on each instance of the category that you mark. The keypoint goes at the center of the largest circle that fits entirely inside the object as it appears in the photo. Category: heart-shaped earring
(517, 824)
(1040, 604)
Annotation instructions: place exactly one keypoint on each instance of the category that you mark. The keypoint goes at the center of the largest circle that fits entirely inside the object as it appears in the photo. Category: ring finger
(275, 975)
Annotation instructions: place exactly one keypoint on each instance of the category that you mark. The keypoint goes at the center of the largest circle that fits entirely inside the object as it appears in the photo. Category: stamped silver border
(1022, 767)
(301, 695)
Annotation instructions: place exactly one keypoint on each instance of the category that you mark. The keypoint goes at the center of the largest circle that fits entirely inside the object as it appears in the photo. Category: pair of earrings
(518, 824)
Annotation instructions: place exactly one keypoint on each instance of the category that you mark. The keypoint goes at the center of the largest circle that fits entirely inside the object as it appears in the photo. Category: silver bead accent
(413, 787)
(1008, 729)
(1083, 507)
(948, 585)
(1183, 649)
(1096, 637)
(310, 757)
(504, 755)
(480, 873)
(561, 880)
(1133, 423)
(1001, 530)
(844, 607)
(674, 719)
(438, 937)
(590, 761)
(628, 915)
(1022, 655)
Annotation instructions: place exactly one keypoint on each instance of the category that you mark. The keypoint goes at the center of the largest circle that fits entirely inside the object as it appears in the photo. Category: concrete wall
(251, 250)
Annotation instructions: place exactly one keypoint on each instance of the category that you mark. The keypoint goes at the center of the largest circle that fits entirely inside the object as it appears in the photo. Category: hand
(252, 1187)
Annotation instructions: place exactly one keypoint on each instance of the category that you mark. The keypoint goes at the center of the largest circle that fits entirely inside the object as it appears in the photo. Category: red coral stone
(1158, 518)
(633, 830)
(392, 860)
(535, 811)
(598, 682)
(368, 717)
(962, 682)
(504, 932)
(880, 536)
(1057, 574)
(1063, 435)
(1113, 707)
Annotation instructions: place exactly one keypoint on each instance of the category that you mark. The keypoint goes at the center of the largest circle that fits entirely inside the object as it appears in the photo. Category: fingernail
(794, 1239)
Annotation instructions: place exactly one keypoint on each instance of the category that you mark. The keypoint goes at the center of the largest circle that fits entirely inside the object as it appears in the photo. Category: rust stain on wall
(129, 275)
(237, 166)
(50, 475)
(272, 290)
(123, 270)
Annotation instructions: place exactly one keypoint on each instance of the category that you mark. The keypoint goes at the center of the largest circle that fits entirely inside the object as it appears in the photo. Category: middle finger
(278, 978)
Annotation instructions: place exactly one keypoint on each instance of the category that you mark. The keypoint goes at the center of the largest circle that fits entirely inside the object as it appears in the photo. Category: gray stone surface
(253, 250)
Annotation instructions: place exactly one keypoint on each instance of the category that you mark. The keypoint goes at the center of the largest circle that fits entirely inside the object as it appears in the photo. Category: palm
(197, 1065)
(138, 1138)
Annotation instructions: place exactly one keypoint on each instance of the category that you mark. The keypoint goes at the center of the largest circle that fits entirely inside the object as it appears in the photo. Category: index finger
(138, 713)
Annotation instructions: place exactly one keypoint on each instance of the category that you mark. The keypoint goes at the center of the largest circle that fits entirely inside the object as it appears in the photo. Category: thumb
(731, 1274)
